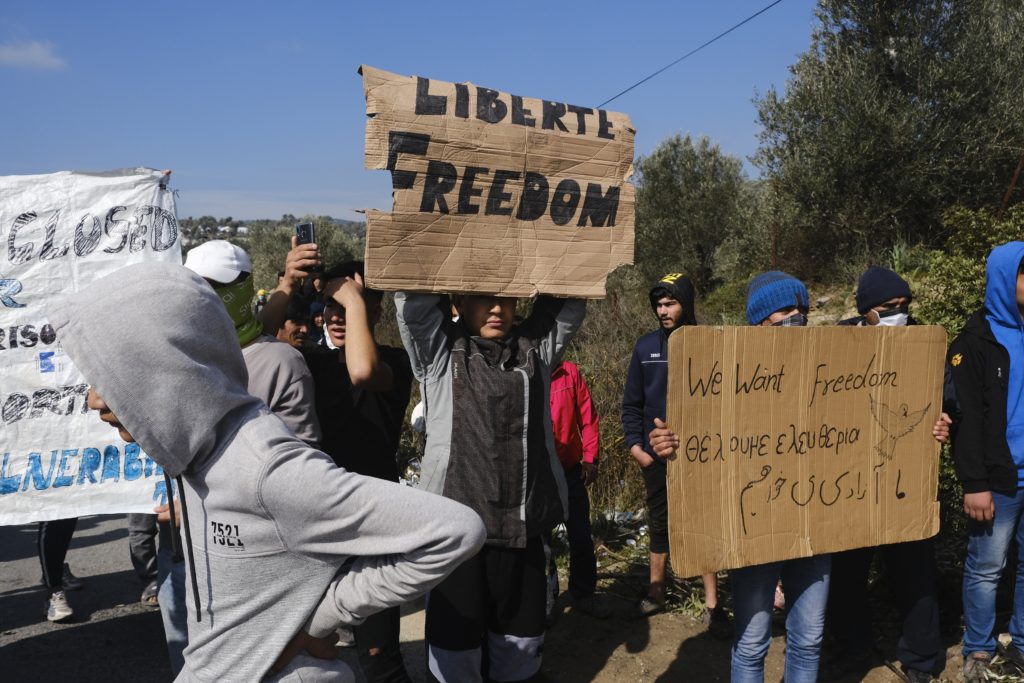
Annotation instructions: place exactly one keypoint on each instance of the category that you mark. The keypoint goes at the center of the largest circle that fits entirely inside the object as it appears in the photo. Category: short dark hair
(346, 269)
(298, 310)
(349, 269)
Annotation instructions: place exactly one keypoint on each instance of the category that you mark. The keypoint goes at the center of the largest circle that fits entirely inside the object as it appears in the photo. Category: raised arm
(554, 322)
(425, 322)
(298, 264)
(346, 299)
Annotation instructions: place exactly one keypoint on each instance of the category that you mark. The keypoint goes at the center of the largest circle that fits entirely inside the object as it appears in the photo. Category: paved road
(113, 638)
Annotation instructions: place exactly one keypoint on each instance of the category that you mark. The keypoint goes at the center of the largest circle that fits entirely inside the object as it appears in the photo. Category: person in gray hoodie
(282, 545)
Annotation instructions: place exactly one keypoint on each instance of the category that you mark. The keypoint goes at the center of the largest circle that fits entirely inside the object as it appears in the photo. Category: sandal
(149, 594)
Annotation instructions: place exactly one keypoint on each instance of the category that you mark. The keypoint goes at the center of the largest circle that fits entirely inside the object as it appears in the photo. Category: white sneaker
(57, 607)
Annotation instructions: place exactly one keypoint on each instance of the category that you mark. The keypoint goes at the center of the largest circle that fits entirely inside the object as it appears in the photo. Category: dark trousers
(380, 633)
(52, 540)
(486, 620)
(582, 562)
(142, 530)
(910, 568)
(657, 505)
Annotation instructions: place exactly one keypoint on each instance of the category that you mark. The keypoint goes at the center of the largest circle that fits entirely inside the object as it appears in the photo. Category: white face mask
(894, 318)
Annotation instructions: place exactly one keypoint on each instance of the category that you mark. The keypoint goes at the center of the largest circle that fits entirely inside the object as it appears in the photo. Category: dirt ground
(666, 648)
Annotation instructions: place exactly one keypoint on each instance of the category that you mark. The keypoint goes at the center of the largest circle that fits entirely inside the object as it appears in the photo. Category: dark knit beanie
(877, 285)
(680, 288)
(774, 291)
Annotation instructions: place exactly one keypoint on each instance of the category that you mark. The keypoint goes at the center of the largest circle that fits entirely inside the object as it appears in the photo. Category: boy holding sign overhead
(485, 385)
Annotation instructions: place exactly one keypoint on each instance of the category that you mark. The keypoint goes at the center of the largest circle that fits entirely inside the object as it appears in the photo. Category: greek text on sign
(801, 441)
(495, 193)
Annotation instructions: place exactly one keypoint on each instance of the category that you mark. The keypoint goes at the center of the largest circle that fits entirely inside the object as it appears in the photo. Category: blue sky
(258, 109)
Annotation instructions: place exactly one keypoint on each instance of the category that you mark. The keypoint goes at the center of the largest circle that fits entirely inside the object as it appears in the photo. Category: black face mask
(796, 320)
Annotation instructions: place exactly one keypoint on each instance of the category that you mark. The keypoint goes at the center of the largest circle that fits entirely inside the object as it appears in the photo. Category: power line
(692, 52)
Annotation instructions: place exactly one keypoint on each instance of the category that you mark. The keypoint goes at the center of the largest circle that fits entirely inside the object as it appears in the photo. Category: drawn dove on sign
(895, 423)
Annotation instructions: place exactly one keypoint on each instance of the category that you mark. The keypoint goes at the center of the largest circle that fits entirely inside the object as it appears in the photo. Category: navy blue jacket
(646, 389)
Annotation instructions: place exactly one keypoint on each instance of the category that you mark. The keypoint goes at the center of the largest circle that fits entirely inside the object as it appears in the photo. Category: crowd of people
(277, 418)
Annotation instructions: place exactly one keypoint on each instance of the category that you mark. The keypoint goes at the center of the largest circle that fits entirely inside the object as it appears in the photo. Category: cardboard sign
(801, 441)
(495, 193)
(58, 232)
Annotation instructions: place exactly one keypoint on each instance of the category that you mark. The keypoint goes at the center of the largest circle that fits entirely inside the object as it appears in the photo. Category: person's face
(318, 283)
(293, 333)
(94, 402)
(490, 317)
(1020, 287)
(318, 319)
(872, 316)
(334, 321)
(779, 316)
(669, 312)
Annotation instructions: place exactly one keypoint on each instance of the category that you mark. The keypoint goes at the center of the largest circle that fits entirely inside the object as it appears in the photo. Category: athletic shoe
(69, 581)
(915, 676)
(845, 665)
(1012, 654)
(718, 623)
(57, 607)
(593, 605)
(976, 667)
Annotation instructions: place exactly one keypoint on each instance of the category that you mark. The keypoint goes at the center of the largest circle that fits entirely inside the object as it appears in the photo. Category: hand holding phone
(306, 233)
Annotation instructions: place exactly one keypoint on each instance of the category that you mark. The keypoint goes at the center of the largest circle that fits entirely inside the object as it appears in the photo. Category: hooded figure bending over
(282, 545)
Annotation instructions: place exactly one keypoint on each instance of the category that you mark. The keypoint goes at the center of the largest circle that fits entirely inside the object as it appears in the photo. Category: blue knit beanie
(773, 291)
(877, 285)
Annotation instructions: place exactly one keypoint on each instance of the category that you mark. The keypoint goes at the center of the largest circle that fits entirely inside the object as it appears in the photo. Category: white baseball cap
(218, 260)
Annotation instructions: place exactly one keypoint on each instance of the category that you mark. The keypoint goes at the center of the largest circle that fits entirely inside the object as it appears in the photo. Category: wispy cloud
(30, 55)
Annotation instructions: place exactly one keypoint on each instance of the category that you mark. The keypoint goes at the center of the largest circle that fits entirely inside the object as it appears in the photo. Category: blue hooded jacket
(1004, 319)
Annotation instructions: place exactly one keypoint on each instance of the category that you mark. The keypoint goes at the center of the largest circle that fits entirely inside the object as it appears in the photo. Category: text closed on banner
(59, 232)
(493, 192)
(801, 441)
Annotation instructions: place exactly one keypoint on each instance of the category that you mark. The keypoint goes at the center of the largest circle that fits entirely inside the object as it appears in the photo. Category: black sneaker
(594, 605)
(916, 676)
(1012, 654)
(844, 664)
(69, 581)
(718, 623)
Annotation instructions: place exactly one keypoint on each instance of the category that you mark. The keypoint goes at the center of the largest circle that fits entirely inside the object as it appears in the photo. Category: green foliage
(602, 350)
(954, 285)
(690, 201)
(898, 110)
(268, 246)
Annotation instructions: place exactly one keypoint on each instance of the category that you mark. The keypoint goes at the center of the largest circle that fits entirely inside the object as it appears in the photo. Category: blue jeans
(172, 606)
(805, 582)
(986, 558)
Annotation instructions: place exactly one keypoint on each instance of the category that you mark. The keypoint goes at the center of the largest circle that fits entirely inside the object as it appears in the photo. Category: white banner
(58, 232)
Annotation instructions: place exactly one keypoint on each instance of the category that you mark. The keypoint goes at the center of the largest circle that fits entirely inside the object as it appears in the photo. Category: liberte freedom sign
(801, 441)
(58, 232)
(493, 192)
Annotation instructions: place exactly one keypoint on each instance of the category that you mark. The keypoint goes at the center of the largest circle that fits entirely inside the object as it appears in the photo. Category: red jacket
(575, 423)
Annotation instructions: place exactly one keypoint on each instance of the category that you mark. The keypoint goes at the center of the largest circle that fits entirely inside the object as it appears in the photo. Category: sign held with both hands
(801, 441)
(495, 193)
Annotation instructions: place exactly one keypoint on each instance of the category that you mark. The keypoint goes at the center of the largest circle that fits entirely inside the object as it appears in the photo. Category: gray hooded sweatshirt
(278, 537)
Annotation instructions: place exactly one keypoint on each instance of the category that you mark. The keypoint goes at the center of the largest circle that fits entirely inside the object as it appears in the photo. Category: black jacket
(980, 368)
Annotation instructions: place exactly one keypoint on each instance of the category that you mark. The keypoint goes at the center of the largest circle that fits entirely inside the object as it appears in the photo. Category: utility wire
(692, 52)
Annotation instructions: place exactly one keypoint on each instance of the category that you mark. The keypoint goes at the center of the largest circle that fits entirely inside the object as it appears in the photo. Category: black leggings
(53, 540)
